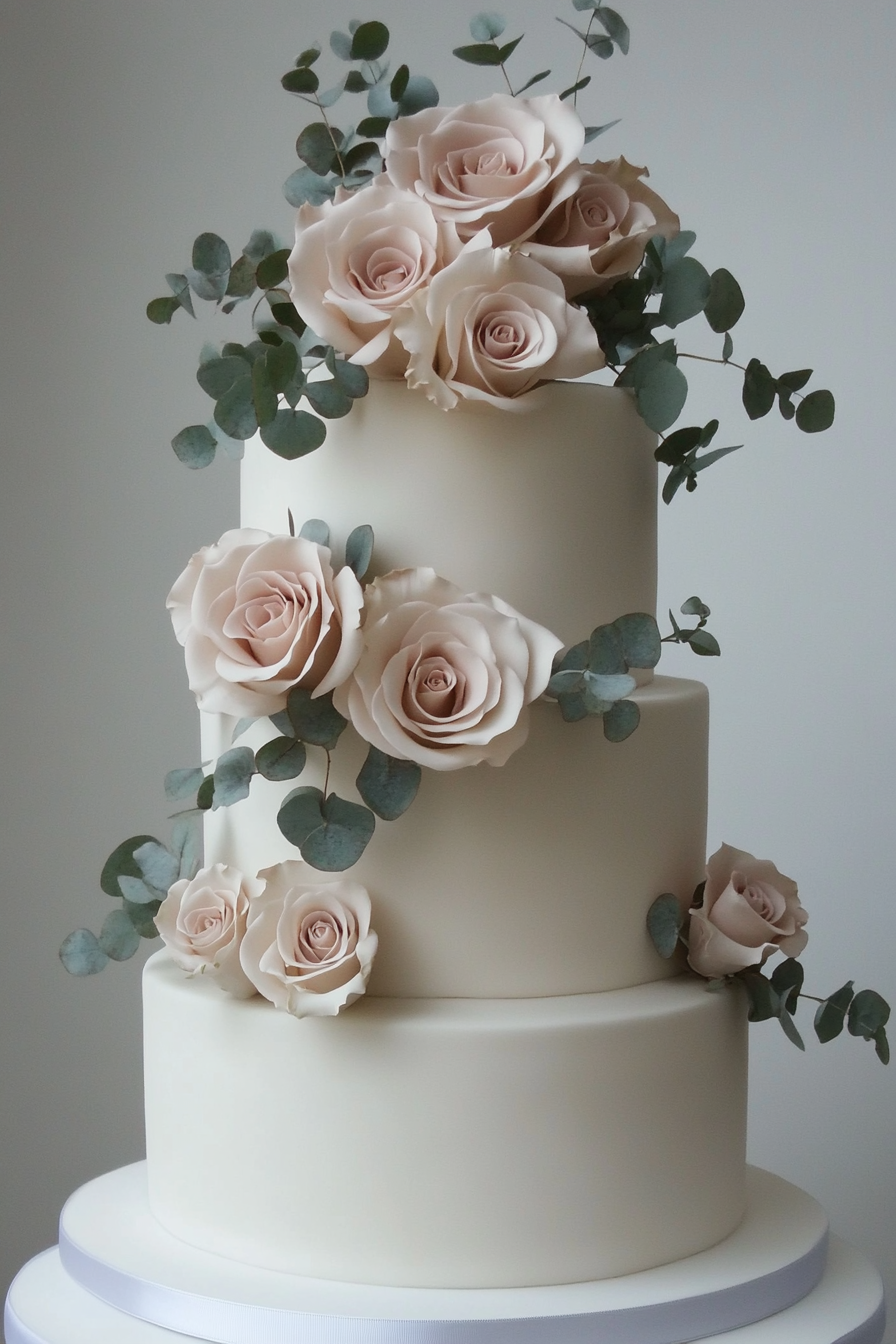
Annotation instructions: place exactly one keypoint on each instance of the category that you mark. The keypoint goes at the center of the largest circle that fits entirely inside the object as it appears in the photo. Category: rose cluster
(305, 945)
(422, 670)
(455, 268)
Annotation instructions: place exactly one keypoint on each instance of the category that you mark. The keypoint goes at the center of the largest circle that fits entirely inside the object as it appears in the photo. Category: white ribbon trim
(222, 1322)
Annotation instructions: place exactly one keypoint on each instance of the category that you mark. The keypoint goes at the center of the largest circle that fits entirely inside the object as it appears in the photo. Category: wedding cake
(422, 1061)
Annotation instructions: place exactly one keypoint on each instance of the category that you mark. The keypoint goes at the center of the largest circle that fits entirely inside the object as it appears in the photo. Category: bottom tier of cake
(118, 1278)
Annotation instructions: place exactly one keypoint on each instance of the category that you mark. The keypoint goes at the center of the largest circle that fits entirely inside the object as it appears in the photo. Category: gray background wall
(128, 130)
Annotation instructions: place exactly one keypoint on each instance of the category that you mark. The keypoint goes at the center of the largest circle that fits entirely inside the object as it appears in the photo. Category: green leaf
(664, 923)
(118, 937)
(284, 758)
(868, 1012)
(235, 410)
(605, 653)
(264, 398)
(217, 376)
(292, 433)
(161, 312)
(180, 288)
(831, 1015)
(359, 549)
(573, 707)
(272, 270)
(328, 399)
(704, 644)
(787, 979)
(121, 863)
(233, 775)
(480, 53)
(815, 412)
(369, 42)
(136, 892)
(158, 866)
(725, 302)
(614, 25)
(260, 245)
(365, 156)
(575, 88)
(286, 315)
(685, 291)
(661, 396)
(759, 390)
(694, 606)
(727, 347)
(206, 795)
(676, 446)
(533, 79)
(388, 785)
(314, 720)
(352, 378)
(327, 97)
(566, 682)
(341, 45)
(789, 1028)
(640, 636)
(81, 953)
(301, 80)
(331, 833)
(316, 530)
(304, 185)
(882, 1045)
(399, 83)
(795, 380)
(374, 126)
(592, 132)
(309, 56)
(143, 917)
(621, 721)
(508, 49)
(356, 83)
(315, 148)
(186, 844)
(195, 446)
(183, 783)
(485, 27)
(211, 266)
(241, 281)
(281, 363)
(763, 998)
(419, 94)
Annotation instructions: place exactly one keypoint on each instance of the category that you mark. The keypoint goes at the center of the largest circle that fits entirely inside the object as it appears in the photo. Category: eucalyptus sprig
(593, 677)
(697, 638)
(864, 1014)
(486, 29)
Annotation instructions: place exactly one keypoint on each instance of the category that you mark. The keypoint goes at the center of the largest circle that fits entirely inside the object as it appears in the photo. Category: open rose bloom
(308, 947)
(259, 614)
(445, 677)
(749, 912)
(202, 922)
(455, 268)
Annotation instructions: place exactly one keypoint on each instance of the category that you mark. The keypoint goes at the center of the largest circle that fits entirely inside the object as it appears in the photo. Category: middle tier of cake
(440, 1142)
(524, 880)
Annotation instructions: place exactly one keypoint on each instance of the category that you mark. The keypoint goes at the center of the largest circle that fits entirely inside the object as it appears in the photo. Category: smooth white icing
(533, 878)
(460, 1142)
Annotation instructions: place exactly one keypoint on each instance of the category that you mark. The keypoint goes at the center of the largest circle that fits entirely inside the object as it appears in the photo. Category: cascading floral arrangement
(474, 253)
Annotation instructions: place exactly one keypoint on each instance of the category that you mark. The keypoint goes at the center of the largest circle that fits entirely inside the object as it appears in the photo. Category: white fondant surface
(108, 1230)
(447, 1141)
(530, 879)
(553, 509)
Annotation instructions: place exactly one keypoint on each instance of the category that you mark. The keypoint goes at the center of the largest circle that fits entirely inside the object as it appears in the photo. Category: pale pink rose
(445, 677)
(490, 327)
(258, 614)
(491, 164)
(359, 258)
(202, 922)
(597, 231)
(749, 912)
(309, 946)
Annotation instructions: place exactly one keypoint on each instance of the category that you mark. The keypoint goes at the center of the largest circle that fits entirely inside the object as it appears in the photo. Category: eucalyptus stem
(575, 97)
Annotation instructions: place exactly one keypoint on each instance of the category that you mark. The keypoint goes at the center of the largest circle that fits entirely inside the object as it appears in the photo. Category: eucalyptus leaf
(281, 363)
(317, 147)
(314, 719)
(795, 380)
(293, 433)
(304, 185)
(573, 707)
(135, 890)
(605, 652)
(419, 94)
(764, 1002)
(217, 376)
(206, 795)
(316, 530)
(694, 606)
(727, 348)
(621, 721)
(143, 917)
(160, 311)
(479, 53)
(272, 269)
(508, 49)
(328, 399)
(640, 636)
(121, 863)
(352, 378)
(233, 776)
(283, 758)
(264, 398)
(356, 83)
(118, 937)
(180, 288)
(399, 83)
(575, 88)
(675, 447)
(725, 303)
(341, 45)
(195, 446)
(533, 79)
(183, 783)
(369, 41)
(343, 837)
(388, 785)
(704, 644)
(615, 26)
(592, 132)
(867, 1013)
(301, 80)
(158, 866)
(484, 27)
(815, 412)
(566, 681)
(286, 315)
(186, 845)
(661, 396)
(789, 1028)
(375, 126)
(359, 549)
(260, 245)
(664, 924)
(81, 953)
(686, 289)
(235, 410)
(327, 97)
(787, 979)
(830, 1016)
(241, 281)
(606, 688)
(759, 390)
(882, 1045)
(211, 266)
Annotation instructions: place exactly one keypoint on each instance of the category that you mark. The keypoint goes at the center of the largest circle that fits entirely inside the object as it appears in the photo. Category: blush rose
(492, 164)
(749, 912)
(597, 232)
(308, 947)
(359, 258)
(490, 327)
(445, 678)
(202, 922)
(258, 614)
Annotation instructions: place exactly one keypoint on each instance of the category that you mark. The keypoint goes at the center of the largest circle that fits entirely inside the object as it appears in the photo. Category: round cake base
(118, 1278)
